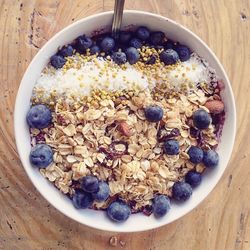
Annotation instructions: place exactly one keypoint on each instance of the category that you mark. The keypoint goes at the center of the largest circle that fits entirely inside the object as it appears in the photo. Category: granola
(117, 144)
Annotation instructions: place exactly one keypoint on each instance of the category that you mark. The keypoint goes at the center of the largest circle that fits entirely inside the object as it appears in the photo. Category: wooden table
(222, 221)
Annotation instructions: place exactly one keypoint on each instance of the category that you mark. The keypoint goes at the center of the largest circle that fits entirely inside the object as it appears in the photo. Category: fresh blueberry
(136, 43)
(193, 178)
(39, 116)
(181, 191)
(82, 199)
(119, 57)
(66, 51)
(133, 55)
(125, 36)
(118, 211)
(211, 159)
(195, 154)
(169, 56)
(169, 44)
(161, 205)
(153, 113)
(157, 38)
(57, 61)
(82, 43)
(107, 44)
(201, 119)
(171, 147)
(183, 52)
(143, 33)
(41, 156)
(94, 50)
(90, 184)
(103, 192)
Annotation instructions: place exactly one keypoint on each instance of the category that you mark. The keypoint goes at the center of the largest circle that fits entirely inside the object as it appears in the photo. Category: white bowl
(98, 219)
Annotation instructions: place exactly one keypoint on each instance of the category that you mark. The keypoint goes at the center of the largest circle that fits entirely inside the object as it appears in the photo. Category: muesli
(126, 125)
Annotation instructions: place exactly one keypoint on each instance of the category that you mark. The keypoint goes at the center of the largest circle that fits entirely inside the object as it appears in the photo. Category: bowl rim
(82, 20)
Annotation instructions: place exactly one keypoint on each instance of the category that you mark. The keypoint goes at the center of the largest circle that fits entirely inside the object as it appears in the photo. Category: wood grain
(27, 221)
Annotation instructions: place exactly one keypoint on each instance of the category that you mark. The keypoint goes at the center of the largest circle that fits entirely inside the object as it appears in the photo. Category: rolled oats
(71, 159)
(70, 130)
(129, 157)
(126, 158)
(65, 149)
(133, 148)
(81, 150)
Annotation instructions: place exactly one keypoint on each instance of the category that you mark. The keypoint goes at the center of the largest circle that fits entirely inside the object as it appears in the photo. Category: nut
(215, 106)
(124, 129)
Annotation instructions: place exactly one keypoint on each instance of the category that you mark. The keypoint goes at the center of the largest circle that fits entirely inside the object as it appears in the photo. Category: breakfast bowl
(99, 23)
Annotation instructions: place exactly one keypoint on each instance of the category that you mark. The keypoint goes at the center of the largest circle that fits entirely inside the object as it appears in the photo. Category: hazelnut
(215, 106)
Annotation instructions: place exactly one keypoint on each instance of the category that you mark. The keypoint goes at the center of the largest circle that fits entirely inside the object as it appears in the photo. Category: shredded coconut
(89, 77)
(191, 71)
(106, 75)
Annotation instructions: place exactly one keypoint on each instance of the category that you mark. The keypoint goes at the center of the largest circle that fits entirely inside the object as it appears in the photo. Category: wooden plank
(28, 222)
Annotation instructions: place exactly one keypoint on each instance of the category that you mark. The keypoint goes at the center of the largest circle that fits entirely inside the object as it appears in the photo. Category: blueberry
(125, 36)
(118, 211)
(161, 205)
(143, 33)
(136, 43)
(183, 52)
(94, 50)
(103, 192)
(133, 55)
(153, 113)
(41, 156)
(57, 61)
(119, 57)
(201, 119)
(157, 38)
(171, 147)
(83, 43)
(211, 159)
(107, 44)
(195, 154)
(66, 51)
(169, 44)
(193, 178)
(90, 184)
(39, 116)
(82, 199)
(181, 191)
(169, 56)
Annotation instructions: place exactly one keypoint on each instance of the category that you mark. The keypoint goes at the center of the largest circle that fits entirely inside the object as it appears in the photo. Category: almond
(124, 129)
(215, 106)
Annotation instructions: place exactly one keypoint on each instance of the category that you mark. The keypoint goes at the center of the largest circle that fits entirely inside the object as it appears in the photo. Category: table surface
(27, 221)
